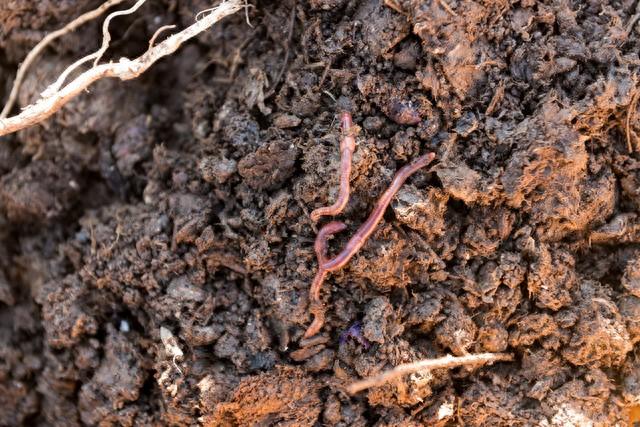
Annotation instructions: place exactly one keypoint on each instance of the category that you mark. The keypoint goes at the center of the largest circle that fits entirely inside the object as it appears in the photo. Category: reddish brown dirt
(181, 200)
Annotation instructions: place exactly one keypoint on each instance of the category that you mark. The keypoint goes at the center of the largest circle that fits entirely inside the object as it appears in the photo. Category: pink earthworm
(355, 243)
(347, 147)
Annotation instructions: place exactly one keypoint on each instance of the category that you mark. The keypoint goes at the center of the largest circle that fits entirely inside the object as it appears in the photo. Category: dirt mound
(156, 249)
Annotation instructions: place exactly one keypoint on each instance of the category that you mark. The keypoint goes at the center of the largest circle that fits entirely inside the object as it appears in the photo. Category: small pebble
(124, 326)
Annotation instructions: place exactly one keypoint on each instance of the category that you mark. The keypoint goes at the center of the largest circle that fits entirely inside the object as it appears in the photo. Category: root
(447, 7)
(35, 52)
(125, 69)
(159, 31)
(106, 36)
(445, 362)
(630, 113)
(95, 56)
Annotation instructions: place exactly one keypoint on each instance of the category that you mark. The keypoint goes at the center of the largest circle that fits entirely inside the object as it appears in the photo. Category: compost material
(156, 247)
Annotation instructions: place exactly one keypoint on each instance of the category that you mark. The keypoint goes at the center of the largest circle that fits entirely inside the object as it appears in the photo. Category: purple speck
(355, 332)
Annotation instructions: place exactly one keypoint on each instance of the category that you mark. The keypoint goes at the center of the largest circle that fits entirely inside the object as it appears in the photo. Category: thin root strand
(95, 56)
(159, 31)
(445, 362)
(630, 113)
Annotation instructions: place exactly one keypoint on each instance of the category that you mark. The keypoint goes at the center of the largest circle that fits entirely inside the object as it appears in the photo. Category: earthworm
(347, 147)
(324, 233)
(355, 243)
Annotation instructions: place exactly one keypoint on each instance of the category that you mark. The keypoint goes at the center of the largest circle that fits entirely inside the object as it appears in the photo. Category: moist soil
(156, 247)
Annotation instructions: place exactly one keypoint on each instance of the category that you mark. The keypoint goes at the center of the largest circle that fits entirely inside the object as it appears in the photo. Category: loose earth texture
(156, 248)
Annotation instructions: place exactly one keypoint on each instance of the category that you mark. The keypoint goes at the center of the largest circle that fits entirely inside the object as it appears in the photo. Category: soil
(155, 243)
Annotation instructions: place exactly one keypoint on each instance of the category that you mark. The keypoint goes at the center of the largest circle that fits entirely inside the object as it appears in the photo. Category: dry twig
(125, 69)
(427, 365)
(35, 52)
(356, 242)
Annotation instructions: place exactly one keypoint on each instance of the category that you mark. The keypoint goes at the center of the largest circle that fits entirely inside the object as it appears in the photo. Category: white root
(106, 36)
(125, 69)
(35, 52)
(159, 31)
(95, 56)
(426, 365)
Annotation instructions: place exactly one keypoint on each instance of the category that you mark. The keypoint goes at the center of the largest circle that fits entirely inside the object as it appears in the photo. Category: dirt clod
(156, 249)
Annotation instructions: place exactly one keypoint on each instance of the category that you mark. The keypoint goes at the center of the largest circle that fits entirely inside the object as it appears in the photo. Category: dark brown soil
(179, 202)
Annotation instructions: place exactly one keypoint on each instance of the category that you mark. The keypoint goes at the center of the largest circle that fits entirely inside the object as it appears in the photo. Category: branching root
(53, 99)
(37, 50)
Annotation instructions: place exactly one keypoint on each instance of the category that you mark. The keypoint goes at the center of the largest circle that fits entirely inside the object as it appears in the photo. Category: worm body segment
(347, 147)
